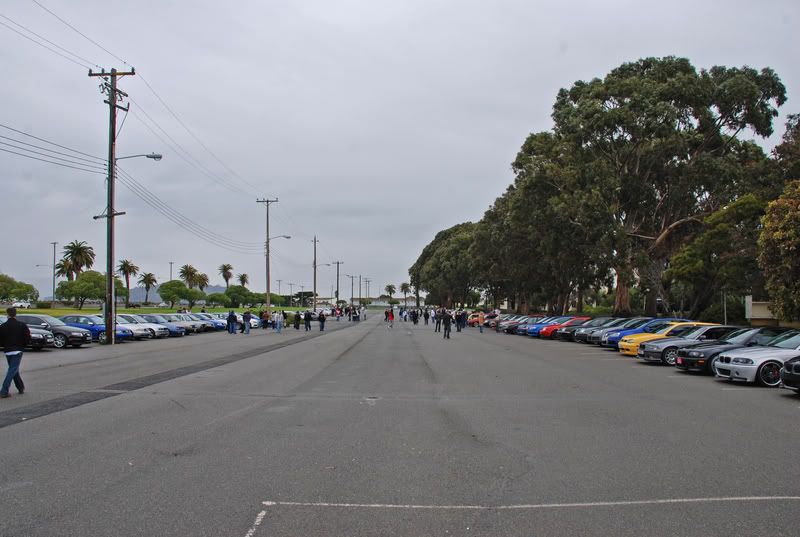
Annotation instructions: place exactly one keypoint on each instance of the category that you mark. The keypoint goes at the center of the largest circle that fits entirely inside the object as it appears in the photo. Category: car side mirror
(45, 325)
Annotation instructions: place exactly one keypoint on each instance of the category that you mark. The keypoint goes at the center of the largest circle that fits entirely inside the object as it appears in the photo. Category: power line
(85, 162)
(43, 148)
(48, 41)
(82, 34)
(85, 66)
(52, 162)
(51, 143)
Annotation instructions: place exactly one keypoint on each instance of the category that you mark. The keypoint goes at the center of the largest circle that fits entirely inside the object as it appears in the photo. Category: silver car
(761, 364)
(139, 331)
(156, 330)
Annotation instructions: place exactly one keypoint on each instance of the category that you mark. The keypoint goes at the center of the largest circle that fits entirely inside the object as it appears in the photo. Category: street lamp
(111, 298)
(269, 291)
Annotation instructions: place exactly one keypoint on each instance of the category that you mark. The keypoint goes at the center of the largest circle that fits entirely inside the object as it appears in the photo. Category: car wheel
(711, 365)
(59, 341)
(669, 356)
(101, 337)
(769, 374)
(152, 333)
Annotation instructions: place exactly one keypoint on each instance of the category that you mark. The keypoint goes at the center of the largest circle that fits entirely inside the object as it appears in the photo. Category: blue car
(612, 337)
(174, 329)
(219, 324)
(96, 325)
(533, 329)
(522, 327)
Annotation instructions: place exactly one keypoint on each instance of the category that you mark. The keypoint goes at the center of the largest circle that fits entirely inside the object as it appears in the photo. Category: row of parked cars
(78, 329)
(765, 355)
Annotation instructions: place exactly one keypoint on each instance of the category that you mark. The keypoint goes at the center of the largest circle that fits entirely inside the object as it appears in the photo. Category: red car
(549, 331)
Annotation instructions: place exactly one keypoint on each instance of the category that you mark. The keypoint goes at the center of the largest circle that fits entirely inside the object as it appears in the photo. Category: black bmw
(701, 356)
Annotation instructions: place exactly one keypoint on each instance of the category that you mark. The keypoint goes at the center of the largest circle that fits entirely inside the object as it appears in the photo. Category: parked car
(629, 345)
(174, 329)
(790, 374)
(40, 338)
(761, 365)
(191, 326)
(701, 356)
(611, 339)
(666, 350)
(550, 330)
(534, 328)
(508, 325)
(567, 333)
(63, 335)
(23, 304)
(139, 331)
(208, 325)
(521, 328)
(596, 337)
(96, 325)
(136, 322)
(583, 332)
(218, 324)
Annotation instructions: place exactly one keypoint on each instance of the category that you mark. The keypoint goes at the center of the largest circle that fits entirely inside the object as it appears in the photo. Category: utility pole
(337, 263)
(352, 279)
(314, 299)
(366, 281)
(291, 292)
(302, 295)
(266, 202)
(53, 299)
(170, 269)
(109, 87)
(279, 291)
(359, 290)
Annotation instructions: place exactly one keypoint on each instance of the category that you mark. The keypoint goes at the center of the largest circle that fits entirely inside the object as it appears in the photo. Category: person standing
(278, 322)
(246, 322)
(14, 337)
(307, 319)
(438, 317)
(231, 322)
(481, 320)
(447, 320)
(426, 315)
(321, 319)
(390, 319)
(297, 320)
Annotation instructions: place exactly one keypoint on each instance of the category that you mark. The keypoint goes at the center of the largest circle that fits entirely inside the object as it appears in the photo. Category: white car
(139, 331)
(156, 330)
(24, 304)
(761, 364)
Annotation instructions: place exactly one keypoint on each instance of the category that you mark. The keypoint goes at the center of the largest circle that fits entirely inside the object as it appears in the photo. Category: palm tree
(188, 274)
(147, 280)
(226, 271)
(80, 256)
(202, 281)
(127, 269)
(244, 279)
(390, 290)
(64, 268)
(405, 288)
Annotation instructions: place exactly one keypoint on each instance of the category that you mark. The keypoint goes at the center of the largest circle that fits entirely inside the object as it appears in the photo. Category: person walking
(265, 316)
(278, 322)
(447, 320)
(438, 317)
(231, 322)
(426, 315)
(307, 319)
(481, 320)
(246, 322)
(390, 319)
(297, 320)
(321, 319)
(14, 337)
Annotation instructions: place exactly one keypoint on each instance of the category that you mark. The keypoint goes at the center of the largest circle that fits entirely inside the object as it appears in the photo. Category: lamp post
(111, 306)
(291, 293)
(269, 292)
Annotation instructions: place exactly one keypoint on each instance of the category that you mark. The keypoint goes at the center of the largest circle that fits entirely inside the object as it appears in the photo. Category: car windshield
(138, 318)
(680, 331)
(634, 323)
(52, 320)
(740, 336)
(122, 319)
(95, 319)
(172, 317)
(656, 327)
(156, 319)
(599, 321)
(694, 332)
(787, 340)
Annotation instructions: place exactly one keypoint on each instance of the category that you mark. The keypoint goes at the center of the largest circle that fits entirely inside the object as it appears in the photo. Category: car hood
(763, 353)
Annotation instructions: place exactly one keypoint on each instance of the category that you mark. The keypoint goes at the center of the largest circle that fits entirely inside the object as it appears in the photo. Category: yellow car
(629, 345)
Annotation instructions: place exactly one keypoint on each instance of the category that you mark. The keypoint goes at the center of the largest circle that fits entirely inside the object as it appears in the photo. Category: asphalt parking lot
(369, 431)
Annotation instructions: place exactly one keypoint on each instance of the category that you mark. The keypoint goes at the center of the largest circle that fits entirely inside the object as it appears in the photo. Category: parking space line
(619, 503)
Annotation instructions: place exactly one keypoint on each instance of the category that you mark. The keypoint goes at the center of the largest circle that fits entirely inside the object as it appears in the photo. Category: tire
(769, 374)
(101, 337)
(669, 356)
(152, 333)
(710, 365)
(59, 341)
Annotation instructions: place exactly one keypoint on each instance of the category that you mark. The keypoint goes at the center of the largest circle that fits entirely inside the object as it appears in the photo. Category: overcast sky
(376, 123)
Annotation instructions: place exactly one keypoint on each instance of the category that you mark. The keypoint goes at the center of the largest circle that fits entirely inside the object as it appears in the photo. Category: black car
(568, 333)
(63, 335)
(701, 356)
(40, 338)
(790, 374)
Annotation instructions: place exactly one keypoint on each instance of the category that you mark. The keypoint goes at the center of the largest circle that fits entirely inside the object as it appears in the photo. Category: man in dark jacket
(447, 319)
(14, 337)
(307, 319)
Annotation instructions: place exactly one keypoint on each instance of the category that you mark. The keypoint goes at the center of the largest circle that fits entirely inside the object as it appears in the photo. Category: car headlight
(742, 361)
(695, 354)
(36, 336)
(613, 334)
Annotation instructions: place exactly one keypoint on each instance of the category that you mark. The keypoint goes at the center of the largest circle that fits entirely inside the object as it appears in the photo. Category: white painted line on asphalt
(536, 505)
(256, 524)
